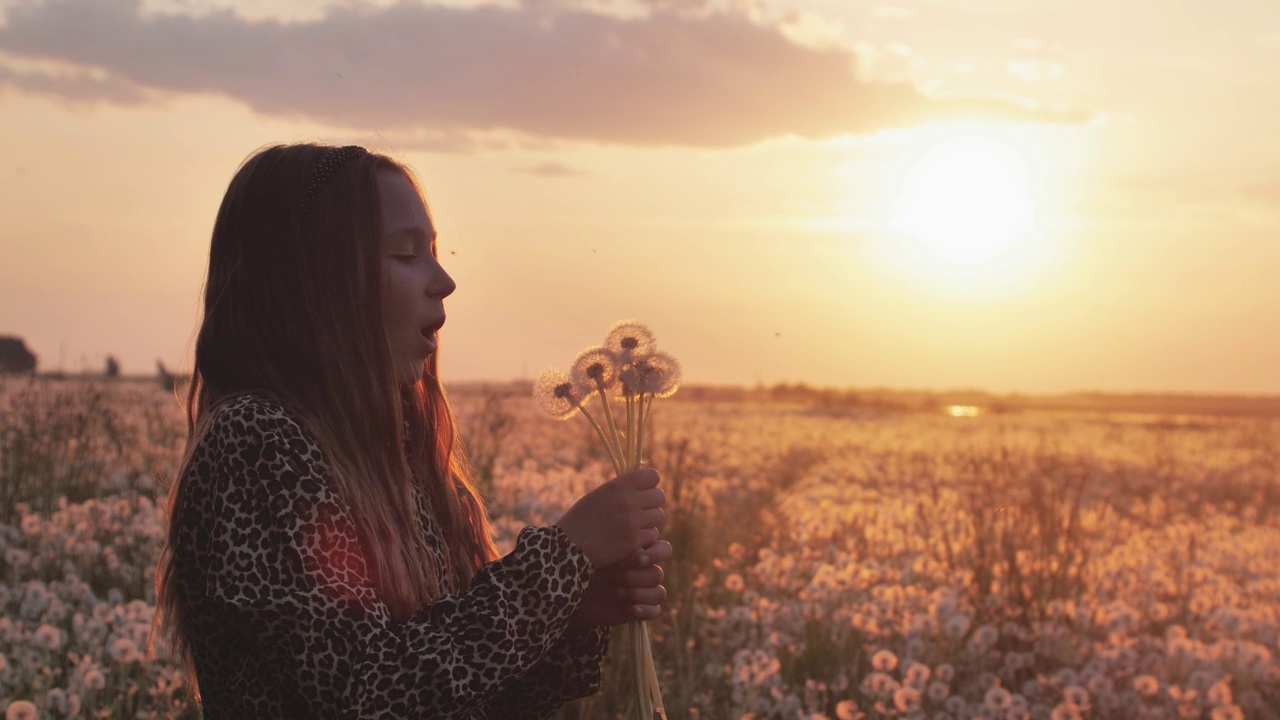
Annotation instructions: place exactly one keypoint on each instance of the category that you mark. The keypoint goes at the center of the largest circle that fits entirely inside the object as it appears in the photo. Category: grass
(830, 563)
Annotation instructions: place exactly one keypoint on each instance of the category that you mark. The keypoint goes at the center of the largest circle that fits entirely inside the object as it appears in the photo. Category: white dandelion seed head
(1076, 695)
(123, 651)
(938, 691)
(47, 637)
(595, 368)
(669, 373)
(21, 710)
(1220, 693)
(985, 636)
(94, 680)
(553, 392)
(630, 339)
(917, 675)
(1146, 685)
(56, 699)
(1066, 711)
(884, 661)
(657, 374)
(879, 683)
(1226, 712)
(997, 698)
(907, 699)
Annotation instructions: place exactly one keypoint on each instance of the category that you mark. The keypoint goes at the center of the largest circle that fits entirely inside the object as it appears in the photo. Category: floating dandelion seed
(553, 391)
(630, 339)
(595, 369)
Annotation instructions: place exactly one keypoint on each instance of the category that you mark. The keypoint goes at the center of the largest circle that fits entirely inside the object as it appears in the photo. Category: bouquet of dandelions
(631, 370)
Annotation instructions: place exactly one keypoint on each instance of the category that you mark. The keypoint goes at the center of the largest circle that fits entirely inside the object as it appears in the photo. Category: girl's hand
(628, 590)
(616, 519)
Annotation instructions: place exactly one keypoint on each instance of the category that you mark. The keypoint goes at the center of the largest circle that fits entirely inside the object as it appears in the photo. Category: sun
(968, 199)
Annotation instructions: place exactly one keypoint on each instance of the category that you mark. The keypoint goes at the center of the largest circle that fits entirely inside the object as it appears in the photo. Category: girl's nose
(441, 285)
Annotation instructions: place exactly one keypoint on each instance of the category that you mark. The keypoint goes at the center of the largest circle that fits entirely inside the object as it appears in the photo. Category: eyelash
(406, 259)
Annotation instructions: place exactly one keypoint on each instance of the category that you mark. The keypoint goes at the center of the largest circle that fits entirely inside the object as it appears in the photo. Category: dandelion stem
(631, 430)
(637, 665)
(613, 458)
(640, 430)
(608, 416)
(651, 674)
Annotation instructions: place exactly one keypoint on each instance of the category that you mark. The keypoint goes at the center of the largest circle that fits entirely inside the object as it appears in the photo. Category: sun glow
(968, 199)
(971, 210)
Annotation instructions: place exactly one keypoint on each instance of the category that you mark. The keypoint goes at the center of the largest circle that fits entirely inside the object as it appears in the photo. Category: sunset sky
(1016, 195)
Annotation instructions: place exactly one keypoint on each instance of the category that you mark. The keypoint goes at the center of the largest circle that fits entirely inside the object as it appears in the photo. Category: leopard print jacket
(284, 621)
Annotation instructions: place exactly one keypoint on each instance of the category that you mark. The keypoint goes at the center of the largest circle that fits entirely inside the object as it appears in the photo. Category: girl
(327, 553)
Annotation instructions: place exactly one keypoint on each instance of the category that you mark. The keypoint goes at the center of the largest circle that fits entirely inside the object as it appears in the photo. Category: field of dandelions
(833, 561)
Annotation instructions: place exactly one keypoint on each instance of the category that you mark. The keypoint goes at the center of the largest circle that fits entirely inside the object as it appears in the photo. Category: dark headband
(324, 170)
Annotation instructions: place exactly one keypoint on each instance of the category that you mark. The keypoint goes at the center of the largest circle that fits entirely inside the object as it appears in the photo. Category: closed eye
(406, 259)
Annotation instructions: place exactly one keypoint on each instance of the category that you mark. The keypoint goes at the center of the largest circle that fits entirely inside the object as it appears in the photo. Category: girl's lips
(432, 329)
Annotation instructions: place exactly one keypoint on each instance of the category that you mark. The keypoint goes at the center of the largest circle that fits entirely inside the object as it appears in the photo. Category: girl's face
(414, 285)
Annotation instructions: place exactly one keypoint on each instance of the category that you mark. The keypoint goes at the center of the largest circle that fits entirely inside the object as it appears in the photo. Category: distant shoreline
(890, 400)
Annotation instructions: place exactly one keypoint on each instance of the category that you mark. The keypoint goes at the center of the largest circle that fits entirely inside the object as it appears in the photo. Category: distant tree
(113, 367)
(168, 380)
(14, 356)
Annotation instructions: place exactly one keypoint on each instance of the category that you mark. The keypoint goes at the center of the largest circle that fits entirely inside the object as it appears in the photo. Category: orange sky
(785, 190)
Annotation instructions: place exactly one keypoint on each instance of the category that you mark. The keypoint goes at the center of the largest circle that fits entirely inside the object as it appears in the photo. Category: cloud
(553, 169)
(538, 70)
(73, 85)
(1034, 70)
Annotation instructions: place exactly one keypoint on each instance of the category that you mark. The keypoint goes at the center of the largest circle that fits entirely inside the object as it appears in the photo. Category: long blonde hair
(292, 311)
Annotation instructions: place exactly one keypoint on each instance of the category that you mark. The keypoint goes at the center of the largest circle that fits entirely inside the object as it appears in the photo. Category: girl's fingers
(658, 552)
(642, 479)
(645, 595)
(649, 536)
(644, 577)
(645, 612)
(653, 518)
(651, 498)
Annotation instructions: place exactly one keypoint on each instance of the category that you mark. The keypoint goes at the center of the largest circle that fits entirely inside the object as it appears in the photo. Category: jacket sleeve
(284, 560)
(570, 670)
